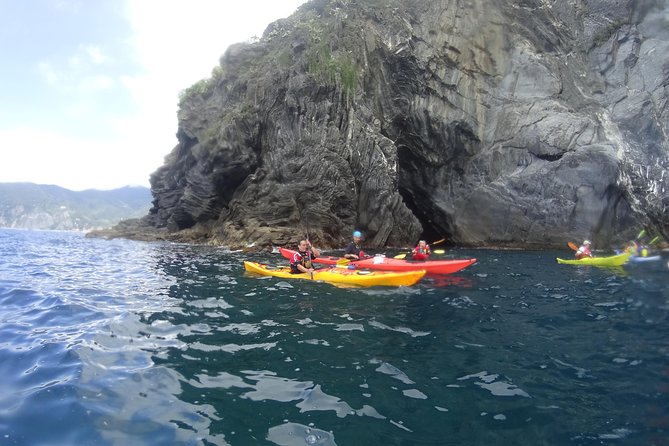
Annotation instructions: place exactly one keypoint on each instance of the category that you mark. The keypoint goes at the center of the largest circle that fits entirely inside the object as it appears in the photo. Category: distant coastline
(48, 207)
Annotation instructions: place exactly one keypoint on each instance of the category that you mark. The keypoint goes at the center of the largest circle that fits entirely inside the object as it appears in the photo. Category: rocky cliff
(493, 123)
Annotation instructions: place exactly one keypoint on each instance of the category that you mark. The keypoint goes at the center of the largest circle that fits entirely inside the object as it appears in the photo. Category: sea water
(132, 343)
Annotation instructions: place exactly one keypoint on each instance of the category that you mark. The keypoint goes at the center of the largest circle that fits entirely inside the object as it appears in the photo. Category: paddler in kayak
(633, 247)
(354, 249)
(421, 251)
(583, 250)
(302, 259)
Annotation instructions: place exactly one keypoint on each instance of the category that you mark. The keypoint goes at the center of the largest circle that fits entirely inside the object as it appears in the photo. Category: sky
(89, 89)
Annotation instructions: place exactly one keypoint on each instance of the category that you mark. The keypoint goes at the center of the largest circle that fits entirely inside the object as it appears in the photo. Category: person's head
(357, 235)
(422, 243)
(303, 245)
(586, 242)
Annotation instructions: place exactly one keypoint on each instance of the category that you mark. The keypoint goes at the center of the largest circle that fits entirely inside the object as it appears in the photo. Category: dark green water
(124, 343)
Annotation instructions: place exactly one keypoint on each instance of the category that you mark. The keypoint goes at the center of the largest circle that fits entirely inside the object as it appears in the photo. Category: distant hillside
(36, 206)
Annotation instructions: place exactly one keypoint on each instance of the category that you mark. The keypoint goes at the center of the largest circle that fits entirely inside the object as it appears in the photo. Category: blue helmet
(357, 234)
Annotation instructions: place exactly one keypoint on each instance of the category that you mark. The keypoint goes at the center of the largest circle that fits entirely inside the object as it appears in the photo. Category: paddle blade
(439, 241)
(400, 256)
(654, 240)
(343, 261)
(643, 231)
(439, 251)
(573, 246)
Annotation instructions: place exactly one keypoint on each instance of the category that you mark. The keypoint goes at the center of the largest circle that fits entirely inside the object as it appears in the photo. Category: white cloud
(72, 162)
(77, 72)
(176, 43)
(96, 83)
(48, 73)
(94, 54)
(179, 43)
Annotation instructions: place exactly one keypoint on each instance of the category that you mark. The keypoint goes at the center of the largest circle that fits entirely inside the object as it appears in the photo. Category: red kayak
(389, 264)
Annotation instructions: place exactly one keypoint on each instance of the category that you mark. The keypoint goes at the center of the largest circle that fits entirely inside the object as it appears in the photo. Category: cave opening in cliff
(430, 232)
(416, 197)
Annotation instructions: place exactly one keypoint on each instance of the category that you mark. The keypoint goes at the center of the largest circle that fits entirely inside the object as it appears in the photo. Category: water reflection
(295, 434)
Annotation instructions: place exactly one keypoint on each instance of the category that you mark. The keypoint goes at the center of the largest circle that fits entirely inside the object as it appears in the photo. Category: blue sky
(89, 89)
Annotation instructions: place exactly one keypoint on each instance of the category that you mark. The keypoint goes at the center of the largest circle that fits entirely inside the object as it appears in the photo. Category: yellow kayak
(617, 260)
(341, 276)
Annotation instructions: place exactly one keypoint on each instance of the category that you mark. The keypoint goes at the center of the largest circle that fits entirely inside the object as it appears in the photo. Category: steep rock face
(508, 123)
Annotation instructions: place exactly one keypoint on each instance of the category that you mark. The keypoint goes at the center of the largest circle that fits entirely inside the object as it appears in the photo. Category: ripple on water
(389, 369)
(295, 434)
(496, 387)
(405, 330)
(130, 343)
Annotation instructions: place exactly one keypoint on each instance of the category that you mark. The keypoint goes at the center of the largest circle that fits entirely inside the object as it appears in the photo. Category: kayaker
(641, 251)
(354, 249)
(302, 259)
(633, 248)
(584, 250)
(644, 251)
(421, 251)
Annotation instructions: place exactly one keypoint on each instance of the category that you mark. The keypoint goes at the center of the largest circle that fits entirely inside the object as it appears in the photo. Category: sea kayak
(341, 275)
(617, 260)
(382, 263)
(641, 259)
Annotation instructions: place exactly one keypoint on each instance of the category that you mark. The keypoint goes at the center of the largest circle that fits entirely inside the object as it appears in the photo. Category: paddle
(436, 251)
(345, 261)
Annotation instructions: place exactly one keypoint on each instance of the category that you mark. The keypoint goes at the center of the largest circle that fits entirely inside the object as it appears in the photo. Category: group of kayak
(632, 253)
(356, 268)
(375, 270)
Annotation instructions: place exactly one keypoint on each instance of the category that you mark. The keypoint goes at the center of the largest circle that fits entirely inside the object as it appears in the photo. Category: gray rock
(521, 123)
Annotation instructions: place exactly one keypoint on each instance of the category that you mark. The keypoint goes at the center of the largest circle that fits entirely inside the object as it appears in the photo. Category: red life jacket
(301, 258)
(420, 253)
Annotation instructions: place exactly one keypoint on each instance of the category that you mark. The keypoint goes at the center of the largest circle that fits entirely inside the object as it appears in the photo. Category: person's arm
(301, 268)
(313, 252)
(349, 253)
